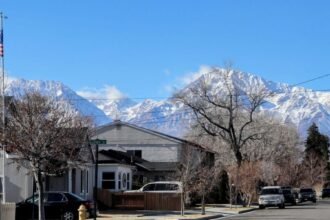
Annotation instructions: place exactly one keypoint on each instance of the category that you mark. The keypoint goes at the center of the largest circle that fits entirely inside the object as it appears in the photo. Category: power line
(162, 98)
(311, 80)
(187, 110)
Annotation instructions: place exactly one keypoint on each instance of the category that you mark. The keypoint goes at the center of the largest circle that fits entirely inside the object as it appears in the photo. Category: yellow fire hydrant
(82, 212)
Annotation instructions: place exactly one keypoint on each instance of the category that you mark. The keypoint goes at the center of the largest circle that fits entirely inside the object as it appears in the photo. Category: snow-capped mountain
(62, 93)
(295, 105)
(116, 108)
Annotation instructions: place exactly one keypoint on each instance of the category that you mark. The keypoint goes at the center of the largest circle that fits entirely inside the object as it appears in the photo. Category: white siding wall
(116, 168)
(18, 182)
(152, 153)
(155, 148)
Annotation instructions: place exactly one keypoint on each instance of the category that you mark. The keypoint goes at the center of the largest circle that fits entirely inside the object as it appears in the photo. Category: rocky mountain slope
(294, 105)
(291, 104)
(62, 93)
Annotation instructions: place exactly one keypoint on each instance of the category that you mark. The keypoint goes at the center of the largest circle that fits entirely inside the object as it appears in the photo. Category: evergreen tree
(317, 143)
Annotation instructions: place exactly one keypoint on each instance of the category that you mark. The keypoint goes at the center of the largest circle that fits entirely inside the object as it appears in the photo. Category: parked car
(161, 186)
(271, 196)
(325, 193)
(307, 194)
(58, 205)
(289, 195)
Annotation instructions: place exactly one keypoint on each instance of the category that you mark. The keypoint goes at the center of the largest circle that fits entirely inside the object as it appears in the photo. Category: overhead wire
(188, 110)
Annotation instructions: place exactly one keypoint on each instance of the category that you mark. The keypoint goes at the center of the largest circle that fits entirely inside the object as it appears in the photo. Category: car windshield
(270, 191)
(33, 199)
(306, 190)
(74, 197)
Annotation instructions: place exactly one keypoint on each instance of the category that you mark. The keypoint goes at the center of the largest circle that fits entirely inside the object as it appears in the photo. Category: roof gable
(119, 131)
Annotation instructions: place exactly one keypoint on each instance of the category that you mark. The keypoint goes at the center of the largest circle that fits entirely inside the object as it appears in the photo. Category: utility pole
(96, 170)
(2, 17)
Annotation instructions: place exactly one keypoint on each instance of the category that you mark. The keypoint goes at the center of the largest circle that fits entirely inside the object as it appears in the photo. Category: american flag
(1, 43)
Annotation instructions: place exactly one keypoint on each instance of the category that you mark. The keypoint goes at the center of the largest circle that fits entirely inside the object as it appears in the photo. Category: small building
(153, 156)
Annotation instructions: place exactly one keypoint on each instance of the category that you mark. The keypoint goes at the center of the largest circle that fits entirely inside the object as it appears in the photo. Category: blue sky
(142, 48)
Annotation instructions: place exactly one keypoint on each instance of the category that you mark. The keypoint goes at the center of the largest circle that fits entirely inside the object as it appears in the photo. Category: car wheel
(281, 206)
(261, 207)
(68, 215)
(314, 200)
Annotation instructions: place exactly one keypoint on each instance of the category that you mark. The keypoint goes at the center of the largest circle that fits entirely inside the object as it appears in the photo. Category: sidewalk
(212, 211)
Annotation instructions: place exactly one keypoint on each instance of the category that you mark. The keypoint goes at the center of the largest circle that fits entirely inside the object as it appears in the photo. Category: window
(55, 197)
(160, 187)
(172, 187)
(108, 180)
(149, 187)
(124, 180)
(0, 184)
(33, 199)
(128, 183)
(136, 153)
(119, 180)
(84, 181)
(1, 189)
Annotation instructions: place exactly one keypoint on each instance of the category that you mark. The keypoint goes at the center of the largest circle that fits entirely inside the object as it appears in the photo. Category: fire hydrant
(82, 212)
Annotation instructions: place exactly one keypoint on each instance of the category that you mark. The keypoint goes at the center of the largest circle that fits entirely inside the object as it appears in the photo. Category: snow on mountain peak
(292, 104)
(59, 91)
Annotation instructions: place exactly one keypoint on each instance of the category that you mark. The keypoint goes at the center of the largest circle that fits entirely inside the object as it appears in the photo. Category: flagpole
(3, 111)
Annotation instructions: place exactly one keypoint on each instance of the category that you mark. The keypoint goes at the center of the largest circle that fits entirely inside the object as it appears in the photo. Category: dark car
(58, 205)
(325, 193)
(307, 194)
(289, 195)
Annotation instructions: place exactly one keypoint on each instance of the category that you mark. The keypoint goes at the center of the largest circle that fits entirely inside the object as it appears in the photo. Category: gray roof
(104, 128)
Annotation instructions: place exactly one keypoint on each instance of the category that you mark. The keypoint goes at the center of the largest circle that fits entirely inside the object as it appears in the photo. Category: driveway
(303, 211)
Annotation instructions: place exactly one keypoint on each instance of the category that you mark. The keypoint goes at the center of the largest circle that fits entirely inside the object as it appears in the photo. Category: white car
(271, 196)
(161, 186)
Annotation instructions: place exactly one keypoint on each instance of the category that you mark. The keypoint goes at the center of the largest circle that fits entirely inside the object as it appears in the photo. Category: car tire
(68, 215)
(314, 200)
(261, 207)
(281, 206)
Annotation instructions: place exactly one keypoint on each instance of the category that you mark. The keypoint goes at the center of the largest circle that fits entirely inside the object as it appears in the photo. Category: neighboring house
(131, 157)
(17, 181)
(151, 155)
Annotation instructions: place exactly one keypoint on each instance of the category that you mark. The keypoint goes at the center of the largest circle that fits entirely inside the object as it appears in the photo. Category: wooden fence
(141, 200)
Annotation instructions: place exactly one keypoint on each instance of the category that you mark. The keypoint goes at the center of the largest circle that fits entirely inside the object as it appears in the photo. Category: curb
(249, 210)
(204, 218)
(239, 212)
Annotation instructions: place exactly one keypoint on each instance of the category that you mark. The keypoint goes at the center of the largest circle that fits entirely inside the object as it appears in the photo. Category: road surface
(304, 211)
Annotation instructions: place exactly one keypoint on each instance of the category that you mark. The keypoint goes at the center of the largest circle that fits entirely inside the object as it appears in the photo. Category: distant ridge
(290, 104)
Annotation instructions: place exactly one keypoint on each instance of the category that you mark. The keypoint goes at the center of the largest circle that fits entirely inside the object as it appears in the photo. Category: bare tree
(186, 171)
(228, 114)
(45, 137)
(279, 152)
(314, 169)
(249, 173)
(196, 172)
(204, 181)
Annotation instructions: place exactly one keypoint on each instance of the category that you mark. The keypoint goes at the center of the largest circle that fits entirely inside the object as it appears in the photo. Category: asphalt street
(303, 211)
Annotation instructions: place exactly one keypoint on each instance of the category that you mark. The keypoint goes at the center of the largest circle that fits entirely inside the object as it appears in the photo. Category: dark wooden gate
(142, 200)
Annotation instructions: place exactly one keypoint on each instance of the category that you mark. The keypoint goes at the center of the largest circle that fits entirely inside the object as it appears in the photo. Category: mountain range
(290, 104)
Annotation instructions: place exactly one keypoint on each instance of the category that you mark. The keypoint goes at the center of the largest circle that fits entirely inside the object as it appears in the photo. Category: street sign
(98, 141)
